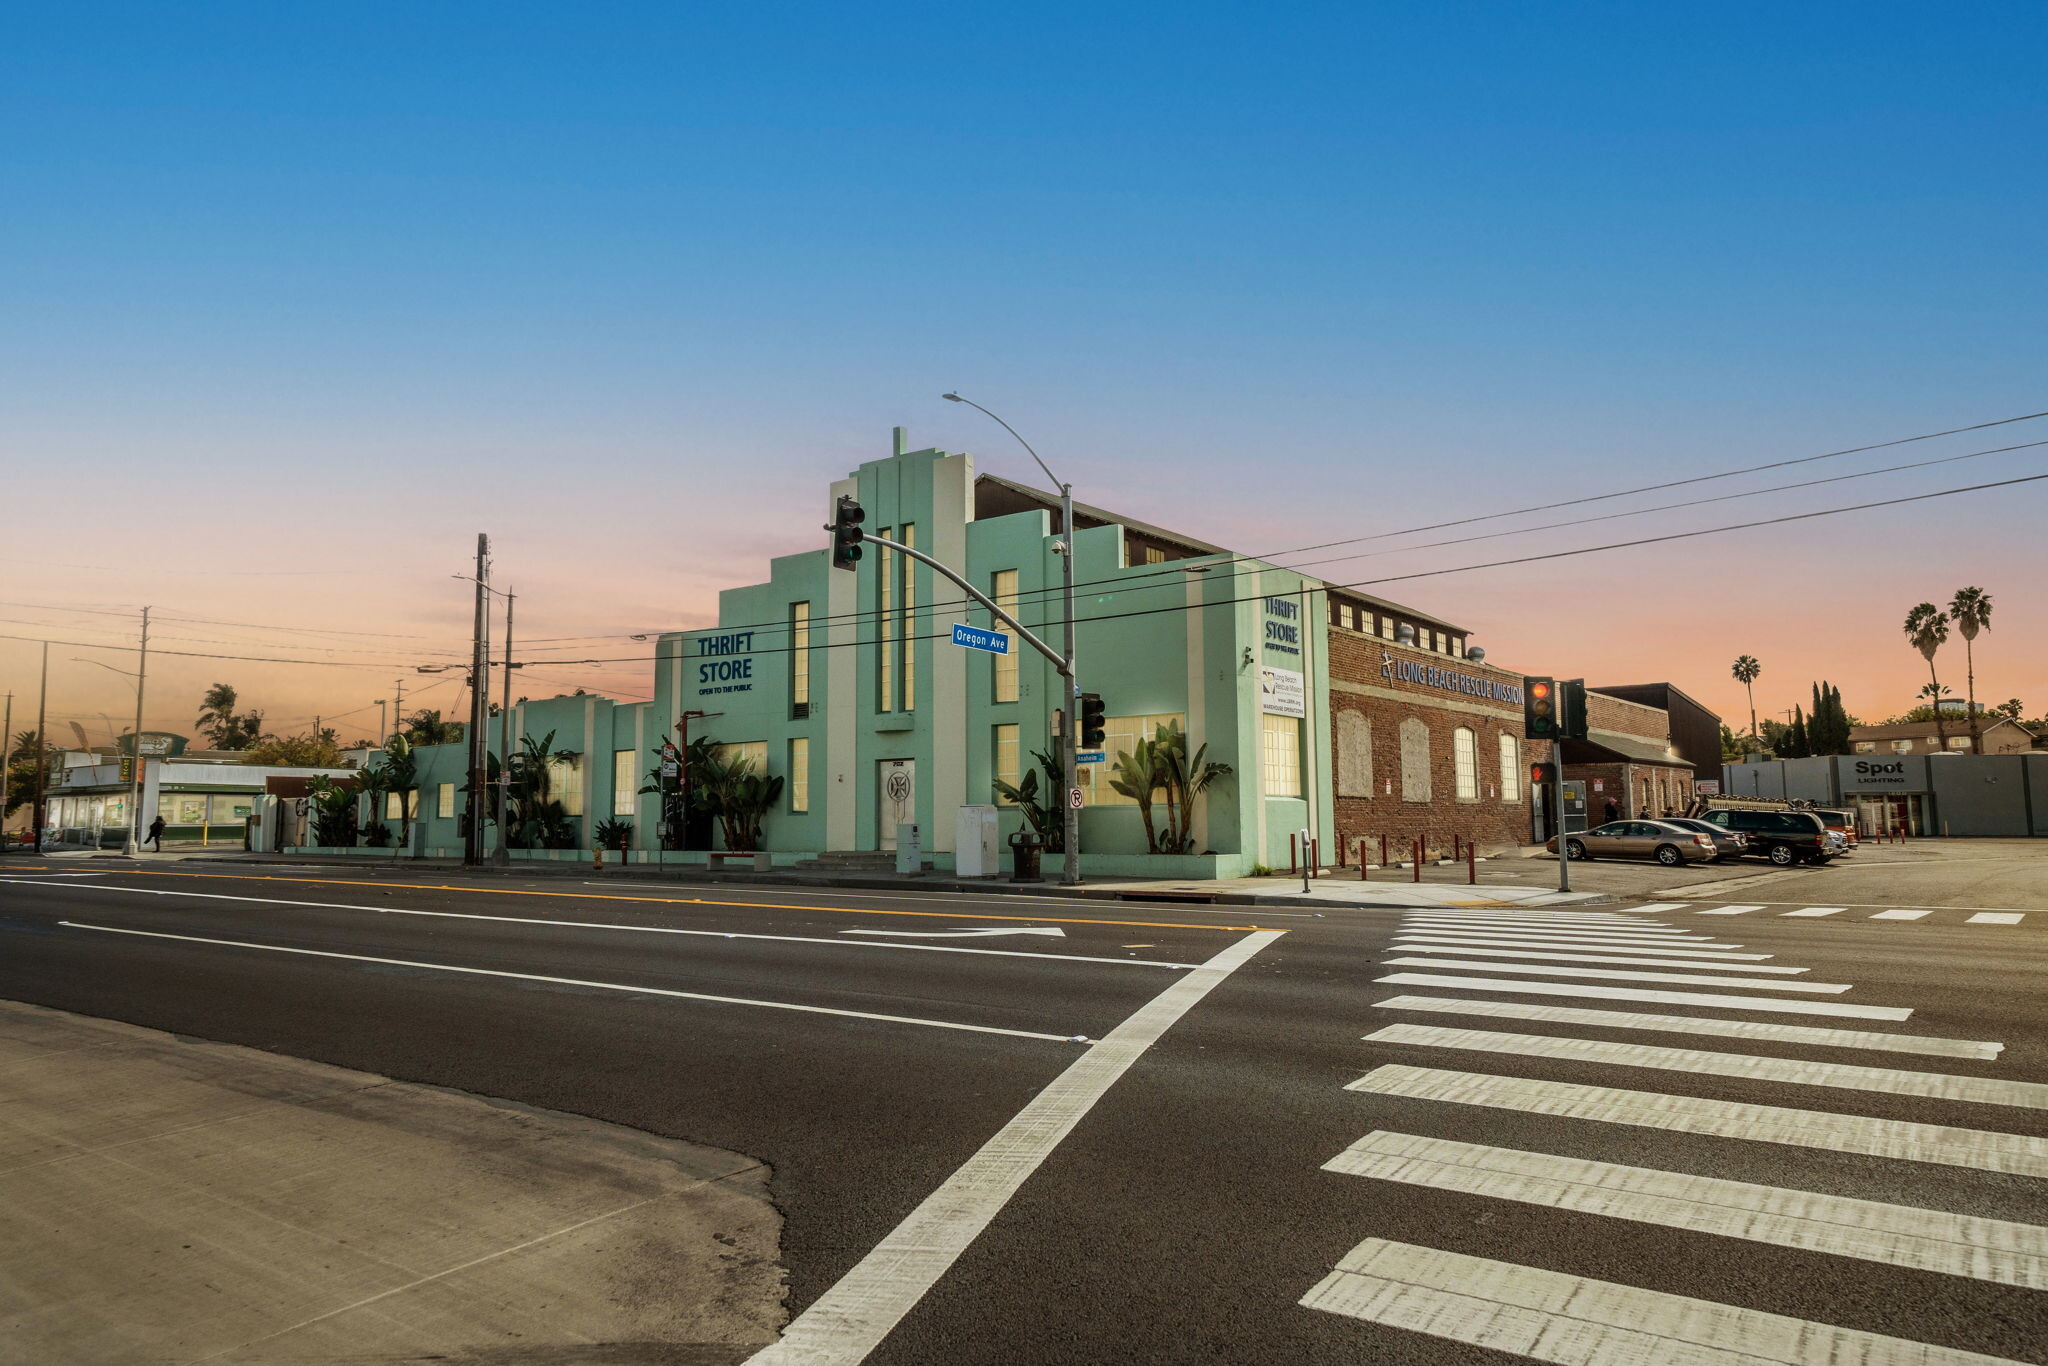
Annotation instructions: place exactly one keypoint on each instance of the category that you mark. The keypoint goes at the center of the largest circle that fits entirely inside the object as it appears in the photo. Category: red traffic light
(1539, 690)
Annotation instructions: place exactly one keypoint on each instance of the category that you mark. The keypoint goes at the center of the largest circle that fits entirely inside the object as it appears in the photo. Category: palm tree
(1927, 628)
(217, 719)
(1970, 610)
(1746, 670)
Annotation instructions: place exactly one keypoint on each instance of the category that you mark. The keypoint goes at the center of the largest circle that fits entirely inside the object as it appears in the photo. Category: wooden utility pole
(479, 711)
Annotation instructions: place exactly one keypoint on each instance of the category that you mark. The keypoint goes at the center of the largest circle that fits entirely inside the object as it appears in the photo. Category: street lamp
(1070, 739)
(133, 847)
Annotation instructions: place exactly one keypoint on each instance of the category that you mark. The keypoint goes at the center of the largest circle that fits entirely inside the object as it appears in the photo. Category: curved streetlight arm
(1058, 661)
(1056, 480)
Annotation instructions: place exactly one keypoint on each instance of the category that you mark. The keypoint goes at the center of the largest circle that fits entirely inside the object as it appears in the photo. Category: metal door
(895, 799)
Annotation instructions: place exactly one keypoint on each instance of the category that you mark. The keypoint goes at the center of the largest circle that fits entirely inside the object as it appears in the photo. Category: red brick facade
(1636, 789)
(1395, 716)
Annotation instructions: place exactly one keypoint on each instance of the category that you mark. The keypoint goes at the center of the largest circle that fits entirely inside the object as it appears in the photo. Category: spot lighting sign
(724, 664)
(1450, 680)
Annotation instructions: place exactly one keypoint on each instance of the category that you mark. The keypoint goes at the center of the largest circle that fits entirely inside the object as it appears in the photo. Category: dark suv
(1783, 837)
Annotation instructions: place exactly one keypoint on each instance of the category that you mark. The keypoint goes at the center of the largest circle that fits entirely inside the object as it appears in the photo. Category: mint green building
(846, 684)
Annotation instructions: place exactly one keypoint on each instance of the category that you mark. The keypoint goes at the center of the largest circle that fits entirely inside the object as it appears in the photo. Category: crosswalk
(1949, 915)
(1475, 1053)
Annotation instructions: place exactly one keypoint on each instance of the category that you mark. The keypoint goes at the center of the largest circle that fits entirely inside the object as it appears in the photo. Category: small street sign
(975, 638)
(1074, 798)
(1090, 756)
(669, 768)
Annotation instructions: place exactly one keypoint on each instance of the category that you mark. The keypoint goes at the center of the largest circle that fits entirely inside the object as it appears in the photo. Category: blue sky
(1272, 275)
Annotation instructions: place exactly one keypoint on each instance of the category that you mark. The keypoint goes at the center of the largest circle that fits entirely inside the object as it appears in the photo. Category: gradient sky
(294, 302)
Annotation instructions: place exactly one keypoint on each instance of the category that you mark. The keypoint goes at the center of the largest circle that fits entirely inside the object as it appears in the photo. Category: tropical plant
(333, 810)
(1034, 796)
(1746, 671)
(22, 760)
(612, 833)
(373, 781)
(1927, 629)
(295, 751)
(1188, 778)
(221, 724)
(534, 817)
(1138, 773)
(2012, 709)
(673, 788)
(1970, 610)
(734, 791)
(425, 727)
(401, 774)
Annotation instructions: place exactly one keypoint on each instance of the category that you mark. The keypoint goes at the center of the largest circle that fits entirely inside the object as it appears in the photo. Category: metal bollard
(1418, 858)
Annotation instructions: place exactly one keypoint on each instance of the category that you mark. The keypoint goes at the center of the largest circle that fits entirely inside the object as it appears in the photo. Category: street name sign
(976, 638)
(1090, 756)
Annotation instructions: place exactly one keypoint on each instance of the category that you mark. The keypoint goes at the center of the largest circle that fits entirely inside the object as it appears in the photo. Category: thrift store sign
(723, 663)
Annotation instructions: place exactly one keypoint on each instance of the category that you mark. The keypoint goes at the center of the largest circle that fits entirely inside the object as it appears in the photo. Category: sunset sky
(297, 301)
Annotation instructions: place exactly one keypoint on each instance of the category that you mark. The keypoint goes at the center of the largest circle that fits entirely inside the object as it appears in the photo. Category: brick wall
(1626, 718)
(1395, 767)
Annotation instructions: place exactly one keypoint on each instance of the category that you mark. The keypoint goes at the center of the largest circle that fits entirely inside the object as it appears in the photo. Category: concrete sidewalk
(169, 1201)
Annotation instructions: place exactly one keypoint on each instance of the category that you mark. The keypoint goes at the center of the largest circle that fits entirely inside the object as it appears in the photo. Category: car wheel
(1668, 855)
(1575, 851)
(1783, 855)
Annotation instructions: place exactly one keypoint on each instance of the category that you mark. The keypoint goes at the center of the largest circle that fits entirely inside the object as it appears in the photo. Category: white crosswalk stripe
(1656, 951)
(1815, 1035)
(1935, 1085)
(1902, 915)
(1981, 1149)
(1413, 945)
(1659, 906)
(1817, 910)
(1622, 930)
(1590, 991)
(1624, 975)
(1995, 918)
(1732, 910)
(1899, 1235)
(1550, 1316)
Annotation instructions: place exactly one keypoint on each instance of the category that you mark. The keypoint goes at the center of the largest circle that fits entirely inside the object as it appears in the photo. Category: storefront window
(1280, 755)
(1510, 769)
(1120, 735)
(230, 808)
(624, 786)
(444, 801)
(565, 776)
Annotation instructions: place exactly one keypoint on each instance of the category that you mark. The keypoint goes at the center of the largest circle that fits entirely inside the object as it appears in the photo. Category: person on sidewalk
(1613, 811)
(156, 834)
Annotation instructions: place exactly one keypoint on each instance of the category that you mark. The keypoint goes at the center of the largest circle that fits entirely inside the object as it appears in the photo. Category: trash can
(1024, 850)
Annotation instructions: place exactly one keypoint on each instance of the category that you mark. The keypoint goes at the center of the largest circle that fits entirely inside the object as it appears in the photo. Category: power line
(194, 654)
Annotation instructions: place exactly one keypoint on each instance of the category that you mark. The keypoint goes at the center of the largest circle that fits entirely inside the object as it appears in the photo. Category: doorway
(895, 799)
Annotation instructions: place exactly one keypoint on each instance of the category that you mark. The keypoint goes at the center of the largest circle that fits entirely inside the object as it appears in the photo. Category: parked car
(1730, 844)
(1660, 840)
(1784, 837)
(1842, 823)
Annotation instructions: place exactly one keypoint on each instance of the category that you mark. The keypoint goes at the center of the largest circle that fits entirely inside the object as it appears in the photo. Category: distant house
(2000, 736)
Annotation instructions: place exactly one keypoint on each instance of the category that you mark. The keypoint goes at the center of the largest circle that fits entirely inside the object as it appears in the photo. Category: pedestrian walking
(156, 834)
(1613, 810)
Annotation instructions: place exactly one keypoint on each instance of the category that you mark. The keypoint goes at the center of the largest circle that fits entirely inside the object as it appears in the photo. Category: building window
(1902, 746)
(397, 806)
(1465, 763)
(227, 808)
(1003, 588)
(800, 658)
(1008, 760)
(444, 801)
(885, 614)
(1417, 783)
(1866, 747)
(800, 774)
(910, 622)
(1510, 769)
(565, 778)
(1958, 742)
(624, 788)
(1120, 735)
(1353, 754)
(1347, 616)
(1280, 755)
(754, 752)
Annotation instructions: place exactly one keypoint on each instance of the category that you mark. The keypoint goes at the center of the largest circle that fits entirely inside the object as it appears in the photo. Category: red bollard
(1383, 851)
(1471, 864)
(1293, 864)
(1418, 858)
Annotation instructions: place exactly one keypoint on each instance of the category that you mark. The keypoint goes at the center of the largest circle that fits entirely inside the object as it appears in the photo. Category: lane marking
(1896, 1235)
(650, 929)
(2031, 1095)
(1732, 910)
(1902, 915)
(1601, 935)
(1588, 991)
(1550, 1316)
(578, 982)
(1054, 931)
(1624, 975)
(1548, 922)
(1659, 906)
(1817, 911)
(1978, 1149)
(673, 900)
(850, 1320)
(1689, 1024)
(1992, 918)
(1410, 944)
(1456, 937)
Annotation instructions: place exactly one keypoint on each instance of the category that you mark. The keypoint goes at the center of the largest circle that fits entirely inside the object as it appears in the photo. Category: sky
(294, 302)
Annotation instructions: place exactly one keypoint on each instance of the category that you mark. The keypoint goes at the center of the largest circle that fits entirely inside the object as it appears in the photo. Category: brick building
(1426, 736)
(1628, 757)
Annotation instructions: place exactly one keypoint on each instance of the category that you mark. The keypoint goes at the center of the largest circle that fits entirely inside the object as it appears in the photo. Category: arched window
(1465, 763)
(1510, 769)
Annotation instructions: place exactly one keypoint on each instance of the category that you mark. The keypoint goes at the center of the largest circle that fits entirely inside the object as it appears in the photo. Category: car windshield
(1834, 817)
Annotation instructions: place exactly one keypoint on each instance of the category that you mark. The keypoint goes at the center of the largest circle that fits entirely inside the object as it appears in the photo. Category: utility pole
(501, 852)
(135, 745)
(39, 812)
(383, 722)
(397, 712)
(6, 761)
(479, 680)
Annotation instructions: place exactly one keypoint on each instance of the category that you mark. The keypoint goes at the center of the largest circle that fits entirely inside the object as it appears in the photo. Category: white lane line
(1902, 915)
(1492, 941)
(1625, 975)
(1550, 1316)
(1659, 906)
(1994, 918)
(1688, 1024)
(1588, 991)
(1815, 911)
(1979, 1149)
(579, 982)
(1732, 910)
(2031, 1095)
(1896, 1235)
(648, 929)
(849, 1320)
(1407, 944)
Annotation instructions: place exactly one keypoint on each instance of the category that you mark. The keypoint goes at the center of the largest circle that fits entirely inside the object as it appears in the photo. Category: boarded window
(1415, 776)
(1354, 754)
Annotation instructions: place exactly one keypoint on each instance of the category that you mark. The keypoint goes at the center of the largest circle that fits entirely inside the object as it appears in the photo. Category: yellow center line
(680, 900)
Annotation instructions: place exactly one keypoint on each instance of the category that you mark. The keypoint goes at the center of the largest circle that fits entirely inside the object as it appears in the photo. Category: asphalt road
(1487, 1214)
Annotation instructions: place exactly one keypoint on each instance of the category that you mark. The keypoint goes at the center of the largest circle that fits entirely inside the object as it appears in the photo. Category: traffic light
(1571, 708)
(1092, 733)
(1539, 709)
(846, 532)
(1542, 774)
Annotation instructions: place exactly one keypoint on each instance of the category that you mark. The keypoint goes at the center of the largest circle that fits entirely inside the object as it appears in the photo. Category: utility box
(909, 849)
(977, 845)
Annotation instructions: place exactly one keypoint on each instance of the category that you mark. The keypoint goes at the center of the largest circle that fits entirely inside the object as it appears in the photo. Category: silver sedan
(1670, 845)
